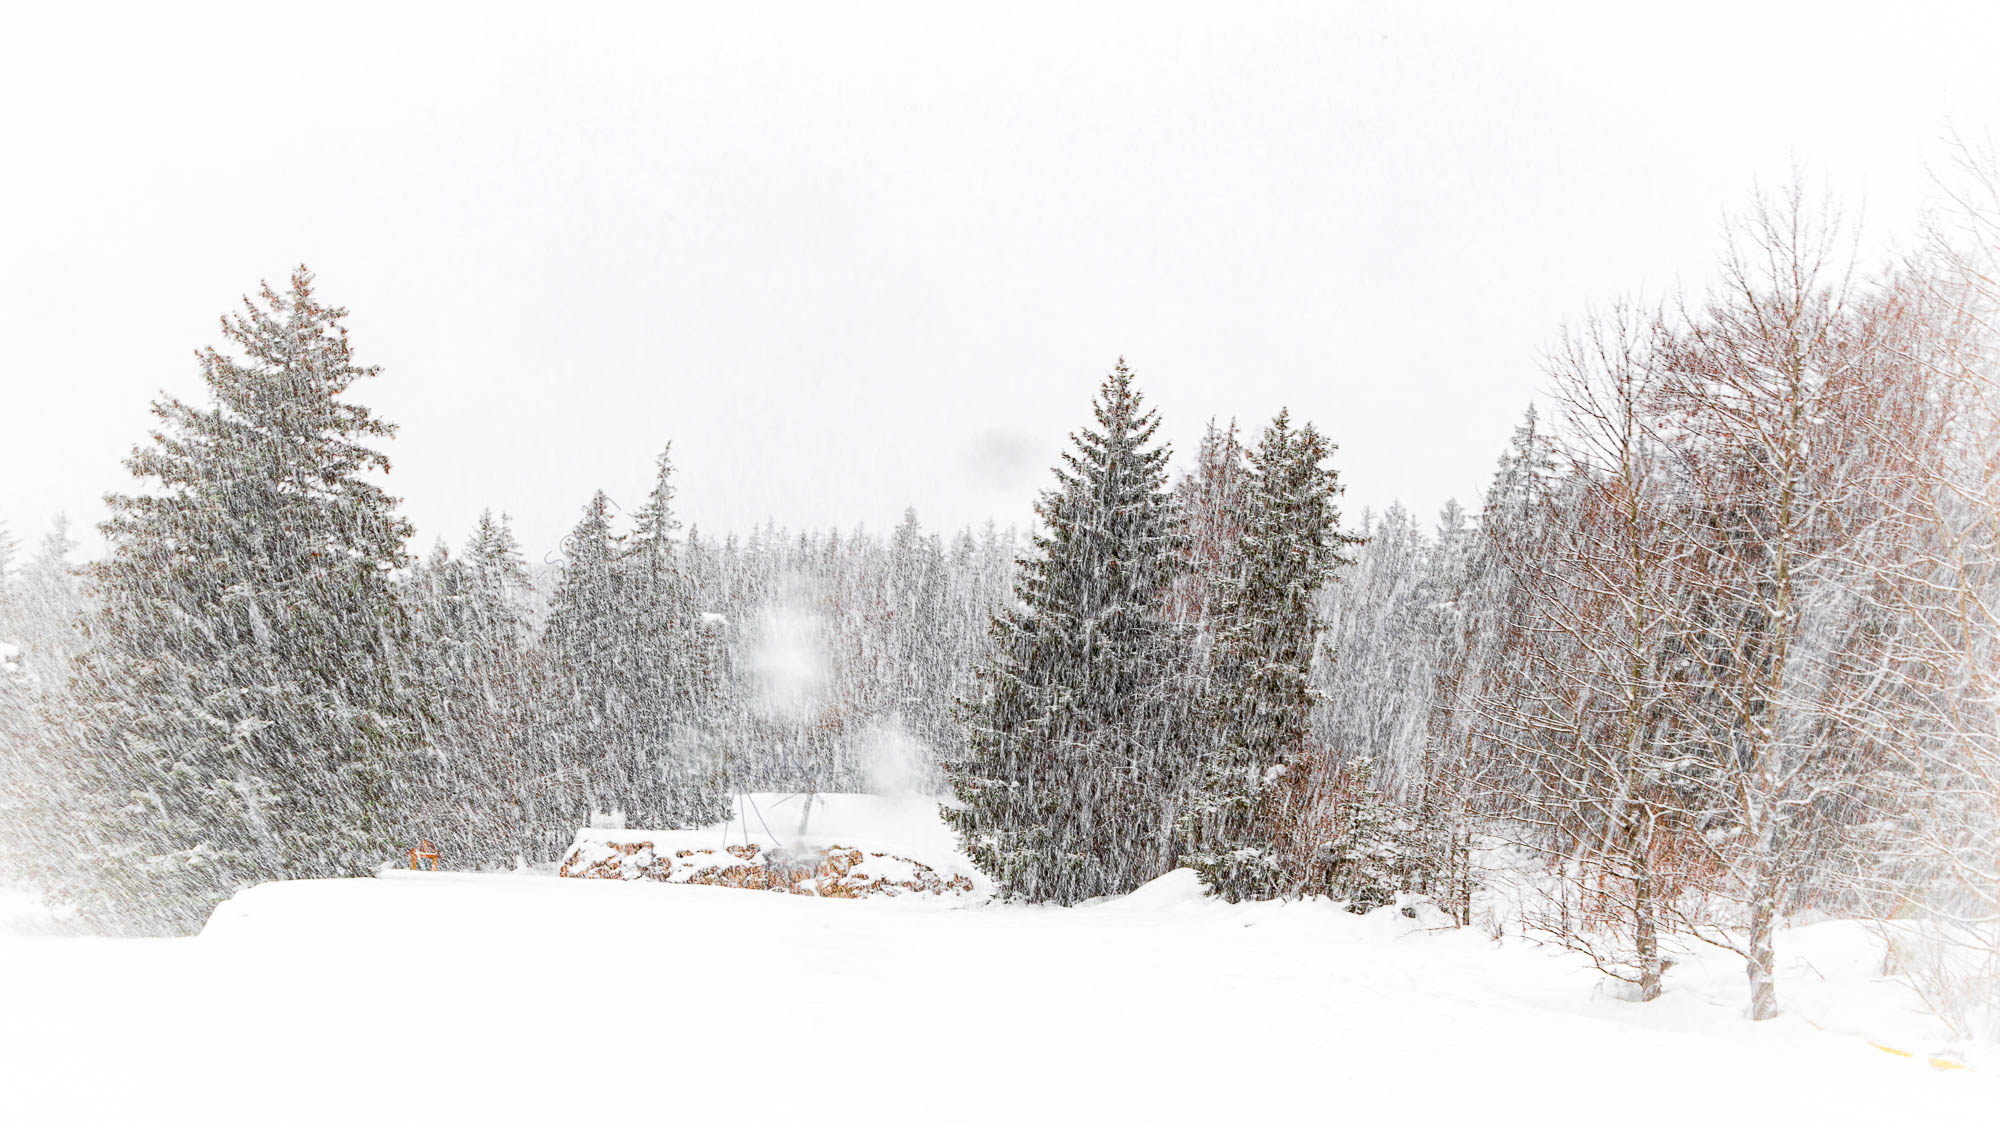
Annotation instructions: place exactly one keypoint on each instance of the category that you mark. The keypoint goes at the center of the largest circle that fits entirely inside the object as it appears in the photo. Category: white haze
(854, 259)
(787, 662)
(898, 763)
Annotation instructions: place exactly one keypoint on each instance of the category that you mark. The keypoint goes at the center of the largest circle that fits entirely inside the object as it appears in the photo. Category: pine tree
(1069, 787)
(585, 647)
(518, 767)
(1446, 776)
(245, 680)
(40, 611)
(442, 791)
(921, 660)
(671, 782)
(1288, 550)
(1361, 859)
(40, 640)
(1208, 508)
(632, 676)
(476, 792)
(17, 680)
(9, 547)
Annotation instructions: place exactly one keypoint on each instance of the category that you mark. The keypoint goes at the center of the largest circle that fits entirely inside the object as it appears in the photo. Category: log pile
(829, 872)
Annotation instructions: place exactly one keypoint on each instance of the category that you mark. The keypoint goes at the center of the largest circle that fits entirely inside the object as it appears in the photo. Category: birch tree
(1765, 384)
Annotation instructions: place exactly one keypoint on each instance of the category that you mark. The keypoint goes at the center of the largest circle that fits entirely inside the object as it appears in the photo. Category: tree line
(1721, 648)
(259, 680)
(1718, 647)
(1718, 650)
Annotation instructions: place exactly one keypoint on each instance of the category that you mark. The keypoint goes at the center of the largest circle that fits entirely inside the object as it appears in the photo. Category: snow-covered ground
(524, 997)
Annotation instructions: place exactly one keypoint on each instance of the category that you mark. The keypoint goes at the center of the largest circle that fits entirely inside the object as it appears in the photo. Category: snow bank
(1835, 977)
(520, 996)
(23, 913)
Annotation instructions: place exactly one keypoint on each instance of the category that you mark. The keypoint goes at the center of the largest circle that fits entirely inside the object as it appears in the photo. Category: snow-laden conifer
(1069, 787)
(246, 678)
(1290, 545)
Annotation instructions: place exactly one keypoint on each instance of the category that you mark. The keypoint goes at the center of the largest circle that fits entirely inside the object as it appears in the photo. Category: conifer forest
(1681, 723)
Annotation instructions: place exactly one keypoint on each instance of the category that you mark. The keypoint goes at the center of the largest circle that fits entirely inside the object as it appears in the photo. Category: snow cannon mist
(898, 763)
(789, 663)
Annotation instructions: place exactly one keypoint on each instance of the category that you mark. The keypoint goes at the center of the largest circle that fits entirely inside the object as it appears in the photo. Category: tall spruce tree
(920, 659)
(510, 681)
(244, 681)
(585, 645)
(479, 782)
(672, 781)
(1068, 790)
(632, 674)
(1290, 544)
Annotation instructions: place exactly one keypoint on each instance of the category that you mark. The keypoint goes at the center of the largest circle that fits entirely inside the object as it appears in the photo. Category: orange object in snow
(424, 850)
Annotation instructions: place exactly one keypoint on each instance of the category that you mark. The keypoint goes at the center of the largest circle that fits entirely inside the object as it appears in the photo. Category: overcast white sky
(851, 262)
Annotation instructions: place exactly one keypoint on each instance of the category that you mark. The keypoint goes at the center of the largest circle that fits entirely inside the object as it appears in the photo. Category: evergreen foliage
(245, 684)
(1208, 509)
(627, 699)
(482, 780)
(1070, 788)
(1290, 545)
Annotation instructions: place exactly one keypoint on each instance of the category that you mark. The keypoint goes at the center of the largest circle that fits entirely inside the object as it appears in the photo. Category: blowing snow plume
(897, 763)
(788, 663)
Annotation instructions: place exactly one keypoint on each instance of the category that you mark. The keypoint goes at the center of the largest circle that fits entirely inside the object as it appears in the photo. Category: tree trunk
(1462, 862)
(1761, 962)
(1646, 929)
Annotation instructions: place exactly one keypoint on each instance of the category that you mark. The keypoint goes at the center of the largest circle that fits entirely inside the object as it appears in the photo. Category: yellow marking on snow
(1936, 1063)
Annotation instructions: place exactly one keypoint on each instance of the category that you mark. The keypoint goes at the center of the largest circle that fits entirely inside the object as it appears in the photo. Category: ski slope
(525, 997)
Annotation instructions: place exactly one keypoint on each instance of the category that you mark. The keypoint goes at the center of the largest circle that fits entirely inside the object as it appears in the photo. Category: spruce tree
(672, 782)
(921, 661)
(40, 640)
(632, 674)
(585, 645)
(1067, 792)
(9, 547)
(1208, 507)
(1289, 547)
(510, 681)
(474, 793)
(244, 682)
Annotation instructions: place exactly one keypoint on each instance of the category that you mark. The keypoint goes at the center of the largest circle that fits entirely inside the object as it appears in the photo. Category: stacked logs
(831, 872)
